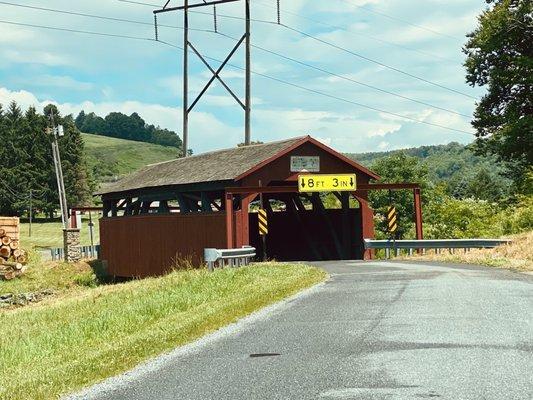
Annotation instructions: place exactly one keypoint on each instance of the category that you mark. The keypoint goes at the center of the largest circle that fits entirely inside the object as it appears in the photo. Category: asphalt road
(373, 331)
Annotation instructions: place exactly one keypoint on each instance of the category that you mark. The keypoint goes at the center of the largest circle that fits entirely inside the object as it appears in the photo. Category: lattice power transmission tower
(187, 108)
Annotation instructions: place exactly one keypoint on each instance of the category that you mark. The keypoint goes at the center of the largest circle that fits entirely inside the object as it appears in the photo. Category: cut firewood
(2, 232)
(21, 259)
(16, 253)
(15, 265)
(5, 251)
(9, 275)
(14, 244)
(5, 240)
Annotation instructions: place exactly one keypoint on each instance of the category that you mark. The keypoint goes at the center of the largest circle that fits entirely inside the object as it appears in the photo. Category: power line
(329, 95)
(375, 61)
(343, 77)
(335, 46)
(254, 72)
(140, 3)
(11, 193)
(76, 31)
(316, 21)
(400, 20)
(98, 16)
(307, 65)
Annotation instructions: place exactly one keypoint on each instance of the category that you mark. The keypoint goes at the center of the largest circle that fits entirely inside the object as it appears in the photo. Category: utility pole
(187, 46)
(58, 131)
(185, 144)
(248, 84)
(263, 237)
(31, 212)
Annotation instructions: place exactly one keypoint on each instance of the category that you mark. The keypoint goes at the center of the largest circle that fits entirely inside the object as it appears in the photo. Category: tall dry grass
(518, 255)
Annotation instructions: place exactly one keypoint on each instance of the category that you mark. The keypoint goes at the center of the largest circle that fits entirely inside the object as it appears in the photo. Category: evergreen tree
(27, 162)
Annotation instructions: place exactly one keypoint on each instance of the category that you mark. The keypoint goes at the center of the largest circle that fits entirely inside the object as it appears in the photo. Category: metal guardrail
(86, 252)
(429, 244)
(231, 257)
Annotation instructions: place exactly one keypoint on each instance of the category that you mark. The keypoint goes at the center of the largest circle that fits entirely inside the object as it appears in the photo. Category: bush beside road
(83, 334)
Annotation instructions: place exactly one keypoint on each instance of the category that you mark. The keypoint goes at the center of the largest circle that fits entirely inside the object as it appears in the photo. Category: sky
(359, 51)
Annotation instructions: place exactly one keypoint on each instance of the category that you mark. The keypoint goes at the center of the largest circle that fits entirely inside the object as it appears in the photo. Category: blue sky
(103, 74)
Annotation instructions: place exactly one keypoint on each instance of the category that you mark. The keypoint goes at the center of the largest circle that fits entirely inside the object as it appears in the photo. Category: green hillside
(111, 158)
(454, 164)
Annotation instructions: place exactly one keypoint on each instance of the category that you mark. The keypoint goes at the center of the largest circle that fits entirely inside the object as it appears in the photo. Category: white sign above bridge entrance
(305, 164)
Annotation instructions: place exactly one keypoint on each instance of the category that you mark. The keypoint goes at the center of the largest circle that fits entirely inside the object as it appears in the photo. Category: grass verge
(59, 277)
(50, 233)
(61, 345)
(516, 256)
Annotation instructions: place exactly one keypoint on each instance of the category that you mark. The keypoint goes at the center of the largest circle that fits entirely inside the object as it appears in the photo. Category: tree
(485, 186)
(80, 119)
(78, 183)
(500, 57)
(90, 123)
(131, 127)
(398, 168)
(449, 218)
(27, 162)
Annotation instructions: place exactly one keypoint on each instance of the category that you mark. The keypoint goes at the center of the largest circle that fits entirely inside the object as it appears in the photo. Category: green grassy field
(75, 339)
(50, 234)
(111, 157)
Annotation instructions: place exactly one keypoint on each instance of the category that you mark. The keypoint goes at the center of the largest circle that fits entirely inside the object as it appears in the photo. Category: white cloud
(327, 141)
(383, 145)
(66, 82)
(24, 98)
(10, 34)
(47, 58)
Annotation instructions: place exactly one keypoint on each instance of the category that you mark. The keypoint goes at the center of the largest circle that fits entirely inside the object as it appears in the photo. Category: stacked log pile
(12, 257)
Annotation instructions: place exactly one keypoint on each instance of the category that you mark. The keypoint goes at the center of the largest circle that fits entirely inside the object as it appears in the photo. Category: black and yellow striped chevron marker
(392, 220)
(263, 222)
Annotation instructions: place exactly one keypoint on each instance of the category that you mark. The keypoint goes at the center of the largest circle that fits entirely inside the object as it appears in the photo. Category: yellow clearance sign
(327, 183)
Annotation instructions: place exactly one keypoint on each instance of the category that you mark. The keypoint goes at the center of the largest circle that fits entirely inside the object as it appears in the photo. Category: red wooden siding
(146, 245)
(279, 169)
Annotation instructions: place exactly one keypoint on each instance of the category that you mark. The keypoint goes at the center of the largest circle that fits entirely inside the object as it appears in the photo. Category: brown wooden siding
(146, 245)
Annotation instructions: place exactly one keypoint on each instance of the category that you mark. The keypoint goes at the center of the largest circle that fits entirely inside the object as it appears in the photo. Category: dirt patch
(22, 299)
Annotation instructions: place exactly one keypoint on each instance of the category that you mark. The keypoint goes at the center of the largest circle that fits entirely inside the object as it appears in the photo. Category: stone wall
(71, 240)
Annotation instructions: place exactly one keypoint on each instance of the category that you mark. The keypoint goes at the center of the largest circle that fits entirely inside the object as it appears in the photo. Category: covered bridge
(177, 208)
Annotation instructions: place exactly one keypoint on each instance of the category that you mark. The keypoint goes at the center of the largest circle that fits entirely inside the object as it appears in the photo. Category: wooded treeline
(26, 162)
(461, 172)
(131, 127)
(480, 210)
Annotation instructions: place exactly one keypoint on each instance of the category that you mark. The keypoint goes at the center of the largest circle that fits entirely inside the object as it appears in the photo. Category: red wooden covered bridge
(177, 208)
